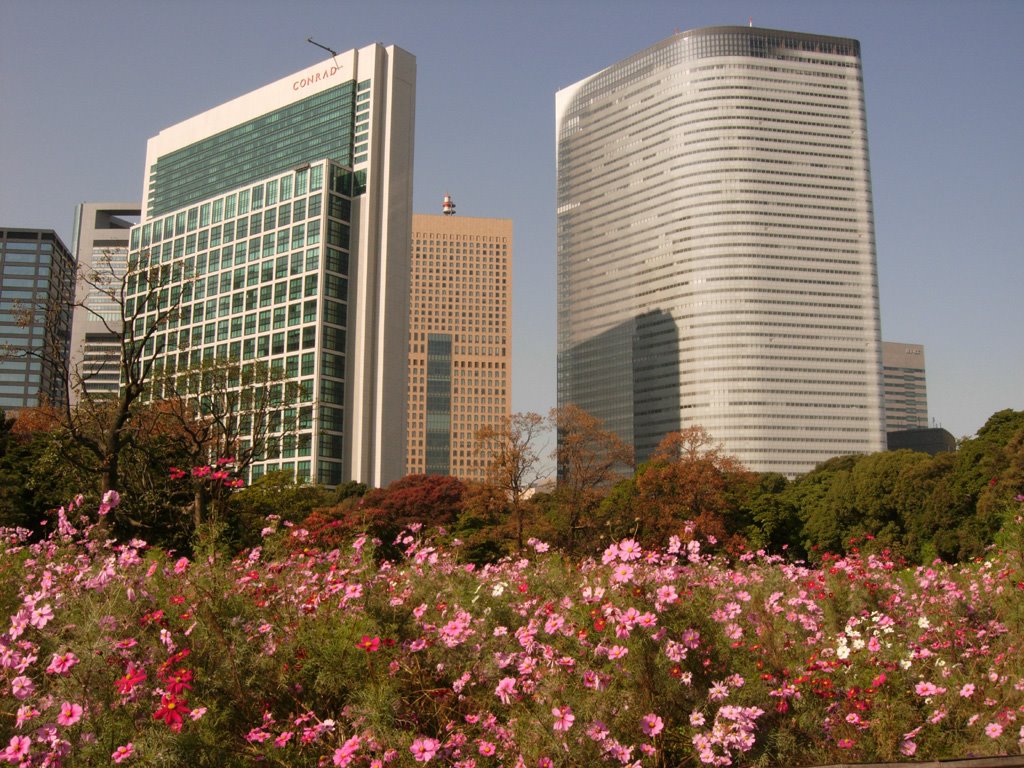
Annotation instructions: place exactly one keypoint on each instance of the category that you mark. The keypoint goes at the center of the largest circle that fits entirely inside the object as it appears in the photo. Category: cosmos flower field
(287, 655)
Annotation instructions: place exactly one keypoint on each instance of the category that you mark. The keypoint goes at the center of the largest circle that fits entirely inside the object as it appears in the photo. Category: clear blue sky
(84, 84)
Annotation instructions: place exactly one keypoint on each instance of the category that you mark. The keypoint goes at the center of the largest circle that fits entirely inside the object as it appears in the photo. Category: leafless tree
(230, 412)
(512, 451)
(589, 457)
(139, 304)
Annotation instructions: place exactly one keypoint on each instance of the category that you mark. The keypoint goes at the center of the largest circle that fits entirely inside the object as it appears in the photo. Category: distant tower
(460, 350)
(905, 390)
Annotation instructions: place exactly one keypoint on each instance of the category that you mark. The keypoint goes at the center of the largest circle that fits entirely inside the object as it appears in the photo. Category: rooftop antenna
(448, 205)
(331, 51)
(750, 22)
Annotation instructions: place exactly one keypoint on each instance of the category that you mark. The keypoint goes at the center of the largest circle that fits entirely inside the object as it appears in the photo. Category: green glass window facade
(439, 404)
(316, 127)
(269, 306)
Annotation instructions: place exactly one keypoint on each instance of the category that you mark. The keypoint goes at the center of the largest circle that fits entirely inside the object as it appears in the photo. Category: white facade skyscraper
(100, 246)
(716, 258)
(281, 224)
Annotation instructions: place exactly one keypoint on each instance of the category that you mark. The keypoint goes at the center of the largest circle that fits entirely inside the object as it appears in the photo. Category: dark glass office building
(37, 290)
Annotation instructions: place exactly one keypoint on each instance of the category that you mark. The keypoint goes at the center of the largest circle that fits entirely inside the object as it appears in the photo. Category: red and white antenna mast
(448, 205)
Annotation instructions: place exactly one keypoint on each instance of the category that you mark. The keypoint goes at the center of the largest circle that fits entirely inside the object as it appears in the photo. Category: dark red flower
(171, 711)
(369, 644)
(132, 677)
(178, 681)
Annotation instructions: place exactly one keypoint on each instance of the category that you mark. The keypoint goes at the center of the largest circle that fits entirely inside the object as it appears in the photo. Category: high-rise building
(100, 245)
(716, 257)
(906, 396)
(460, 345)
(37, 289)
(280, 222)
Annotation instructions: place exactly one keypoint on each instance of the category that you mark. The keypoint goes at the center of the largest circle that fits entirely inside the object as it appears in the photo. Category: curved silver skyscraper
(716, 257)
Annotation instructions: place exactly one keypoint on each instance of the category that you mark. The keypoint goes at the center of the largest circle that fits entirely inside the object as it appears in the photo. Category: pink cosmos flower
(629, 550)
(564, 718)
(344, 754)
(651, 725)
(506, 687)
(938, 716)
(667, 594)
(22, 687)
(123, 752)
(719, 691)
(25, 713)
(554, 623)
(423, 750)
(611, 554)
(993, 730)
(908, 748)
(41, 616)
(69, 713)
(967, 691)
(928, 689)
(18, 748)
(110, 500)
(617, 652)
(283, 738)
(61, 664)
(622, 573)
(486, 748)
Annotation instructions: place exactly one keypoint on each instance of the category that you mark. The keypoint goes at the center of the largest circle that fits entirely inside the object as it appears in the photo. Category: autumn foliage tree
(429, 500)
(690, 477)
(225, 412)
